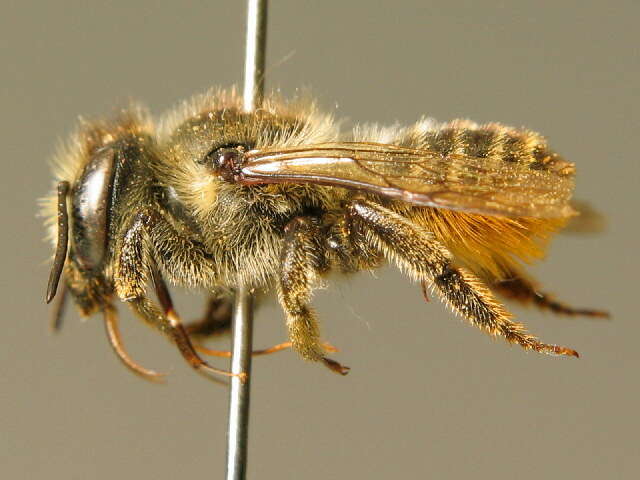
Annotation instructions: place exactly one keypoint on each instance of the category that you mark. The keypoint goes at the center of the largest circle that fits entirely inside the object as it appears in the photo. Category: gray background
(428, 396)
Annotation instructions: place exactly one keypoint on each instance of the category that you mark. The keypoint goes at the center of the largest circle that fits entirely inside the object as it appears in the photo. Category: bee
(211, 197)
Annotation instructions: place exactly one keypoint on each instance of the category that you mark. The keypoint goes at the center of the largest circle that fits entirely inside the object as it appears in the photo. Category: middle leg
(302, 259)
(217, 321)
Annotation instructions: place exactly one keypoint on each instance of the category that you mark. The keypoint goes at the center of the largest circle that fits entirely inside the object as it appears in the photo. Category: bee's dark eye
(224, 156)
(226, 160)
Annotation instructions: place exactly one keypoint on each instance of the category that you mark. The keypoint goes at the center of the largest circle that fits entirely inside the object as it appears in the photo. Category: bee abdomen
(495, 140)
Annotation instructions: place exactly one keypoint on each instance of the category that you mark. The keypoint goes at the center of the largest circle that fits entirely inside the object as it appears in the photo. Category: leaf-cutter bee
(212, 197)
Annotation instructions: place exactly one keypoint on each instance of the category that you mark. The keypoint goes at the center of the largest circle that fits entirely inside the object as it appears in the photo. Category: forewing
(488, 185)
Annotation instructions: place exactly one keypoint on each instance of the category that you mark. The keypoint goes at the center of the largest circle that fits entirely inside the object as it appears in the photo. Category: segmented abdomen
(494, 140)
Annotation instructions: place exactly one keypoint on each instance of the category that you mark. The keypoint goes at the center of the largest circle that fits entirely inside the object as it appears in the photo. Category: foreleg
(115, 340)
(135, 264)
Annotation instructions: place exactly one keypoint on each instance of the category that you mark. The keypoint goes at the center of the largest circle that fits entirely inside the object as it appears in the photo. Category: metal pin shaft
(255, 54)
(237, 436)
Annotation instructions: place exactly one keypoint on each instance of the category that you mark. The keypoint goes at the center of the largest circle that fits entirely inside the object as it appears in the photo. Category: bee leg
(178, 332)
(279, 347)
(115, 340)
(216, 319)
(133, 266)
(519, 287)
(149, 232)
(422, 257)
(301, 260)
(169, 324)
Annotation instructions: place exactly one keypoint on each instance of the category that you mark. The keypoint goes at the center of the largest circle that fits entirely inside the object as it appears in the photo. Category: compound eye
(226, 160)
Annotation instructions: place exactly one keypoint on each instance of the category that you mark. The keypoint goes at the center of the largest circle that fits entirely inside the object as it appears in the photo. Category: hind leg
(422, 257)
(517, 286)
